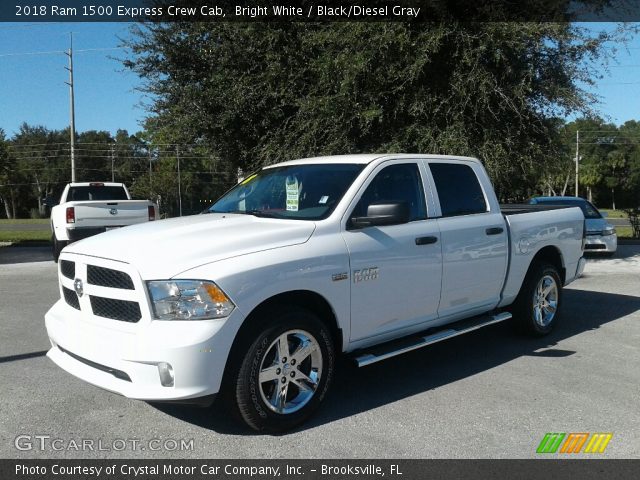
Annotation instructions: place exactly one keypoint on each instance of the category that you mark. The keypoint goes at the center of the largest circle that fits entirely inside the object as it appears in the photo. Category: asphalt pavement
(488, 394)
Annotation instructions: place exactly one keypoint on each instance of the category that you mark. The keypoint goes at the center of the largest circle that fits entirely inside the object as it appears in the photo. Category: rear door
(474, 239)
(395, 269)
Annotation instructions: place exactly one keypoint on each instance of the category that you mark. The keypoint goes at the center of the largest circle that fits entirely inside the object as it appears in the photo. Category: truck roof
(364, 158)
(103, 184)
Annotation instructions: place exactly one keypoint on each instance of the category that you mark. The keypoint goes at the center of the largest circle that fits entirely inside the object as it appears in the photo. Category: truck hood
(165, 248)
(596, 225)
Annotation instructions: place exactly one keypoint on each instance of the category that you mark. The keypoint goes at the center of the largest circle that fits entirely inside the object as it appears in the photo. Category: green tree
(7, 190)
(258, 93)
(42, 157)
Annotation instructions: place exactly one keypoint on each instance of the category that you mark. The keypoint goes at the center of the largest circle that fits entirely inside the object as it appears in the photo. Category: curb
(628, 241)
(35, 243)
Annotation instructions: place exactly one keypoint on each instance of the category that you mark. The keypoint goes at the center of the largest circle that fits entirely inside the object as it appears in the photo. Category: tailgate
(111, 214)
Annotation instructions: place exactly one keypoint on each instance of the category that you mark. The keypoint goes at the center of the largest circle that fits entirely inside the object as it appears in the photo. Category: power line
(29, 25)
(53, 52)
(32, 53)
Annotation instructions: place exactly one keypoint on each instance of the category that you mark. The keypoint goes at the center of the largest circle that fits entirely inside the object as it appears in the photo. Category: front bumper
(123, 358)
(601, 243)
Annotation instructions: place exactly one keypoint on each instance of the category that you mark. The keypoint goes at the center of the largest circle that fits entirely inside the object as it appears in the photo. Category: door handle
(426, 240)
(494, 230)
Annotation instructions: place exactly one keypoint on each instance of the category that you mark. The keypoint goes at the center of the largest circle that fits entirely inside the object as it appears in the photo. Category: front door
(395, 269)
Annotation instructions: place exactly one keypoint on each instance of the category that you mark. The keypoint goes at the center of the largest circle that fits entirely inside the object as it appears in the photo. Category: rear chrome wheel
(537, 307)
(545, 301)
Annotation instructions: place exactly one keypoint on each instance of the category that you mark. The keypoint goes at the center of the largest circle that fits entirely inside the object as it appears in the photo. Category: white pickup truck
(89, 208)
(366, 255)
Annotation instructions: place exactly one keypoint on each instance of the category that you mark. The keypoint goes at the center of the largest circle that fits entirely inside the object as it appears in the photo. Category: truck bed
(517, 208)
(533, 227)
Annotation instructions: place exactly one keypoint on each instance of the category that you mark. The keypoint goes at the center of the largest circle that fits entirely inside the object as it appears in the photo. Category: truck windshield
(302, 192)
(96, 192)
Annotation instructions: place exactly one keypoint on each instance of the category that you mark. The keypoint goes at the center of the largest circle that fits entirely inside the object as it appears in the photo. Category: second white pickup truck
(89, 208)
(366, 255)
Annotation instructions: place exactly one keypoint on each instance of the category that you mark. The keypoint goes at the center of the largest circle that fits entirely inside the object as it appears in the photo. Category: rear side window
(458, 189)
(79, 194)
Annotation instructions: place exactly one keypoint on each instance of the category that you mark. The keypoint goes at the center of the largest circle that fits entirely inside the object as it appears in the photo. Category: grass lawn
(21, 236)
(4, 221)
(624, 232)
(614, 213)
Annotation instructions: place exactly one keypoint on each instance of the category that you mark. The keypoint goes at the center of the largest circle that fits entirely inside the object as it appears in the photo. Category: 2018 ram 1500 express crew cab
(371, 255)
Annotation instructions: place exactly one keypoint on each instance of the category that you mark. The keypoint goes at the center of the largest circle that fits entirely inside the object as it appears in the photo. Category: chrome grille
(68, 269)
(123, 310)
(106, 277)
(71, 298)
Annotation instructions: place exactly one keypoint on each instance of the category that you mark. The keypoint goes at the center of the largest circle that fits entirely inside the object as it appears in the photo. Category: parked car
(89, 208)
(601, 235)
(297, 264)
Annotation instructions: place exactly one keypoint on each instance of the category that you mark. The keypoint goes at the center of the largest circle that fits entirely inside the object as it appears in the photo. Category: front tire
(286, 371)
(537, 306)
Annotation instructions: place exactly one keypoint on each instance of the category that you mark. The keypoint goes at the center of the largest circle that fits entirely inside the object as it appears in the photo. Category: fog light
(166, 374)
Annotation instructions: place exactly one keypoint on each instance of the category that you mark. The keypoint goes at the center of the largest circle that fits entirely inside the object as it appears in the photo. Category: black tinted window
(458, 189)
(395, 183)
(95, 192)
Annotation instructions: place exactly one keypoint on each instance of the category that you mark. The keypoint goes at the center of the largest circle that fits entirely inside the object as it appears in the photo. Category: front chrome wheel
(290, 371)
(545, 301)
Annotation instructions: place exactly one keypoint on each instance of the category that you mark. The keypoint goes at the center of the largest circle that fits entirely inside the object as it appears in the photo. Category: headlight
(609, 231)
(188, 300)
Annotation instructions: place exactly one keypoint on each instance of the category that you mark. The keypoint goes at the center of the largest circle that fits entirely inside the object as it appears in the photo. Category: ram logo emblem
(78, 287)
(365, 274)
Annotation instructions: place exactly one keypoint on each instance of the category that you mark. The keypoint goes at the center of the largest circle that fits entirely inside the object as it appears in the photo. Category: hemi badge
(339, 276)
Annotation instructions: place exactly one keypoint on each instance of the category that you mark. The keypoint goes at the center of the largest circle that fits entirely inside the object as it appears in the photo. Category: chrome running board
(407, 344)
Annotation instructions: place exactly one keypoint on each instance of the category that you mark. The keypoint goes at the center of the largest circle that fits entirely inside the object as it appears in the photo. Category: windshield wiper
(259, 213)
(255, 212)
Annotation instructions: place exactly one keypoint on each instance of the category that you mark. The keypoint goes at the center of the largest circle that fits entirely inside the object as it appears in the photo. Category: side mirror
(383, 214)
(604, 214)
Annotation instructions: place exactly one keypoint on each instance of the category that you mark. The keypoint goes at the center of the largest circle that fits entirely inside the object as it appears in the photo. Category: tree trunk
(13, 204)
(7, 207)
(39, 188)
(566, 184)
(613, 198)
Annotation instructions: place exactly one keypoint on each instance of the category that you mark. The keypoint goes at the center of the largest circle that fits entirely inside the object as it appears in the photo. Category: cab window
(458, 189)
(394, 184)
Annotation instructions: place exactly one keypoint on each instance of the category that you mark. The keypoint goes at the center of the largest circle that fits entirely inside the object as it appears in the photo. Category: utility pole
(72, 112)
(179, 180)
(112, 159)
(577, 159)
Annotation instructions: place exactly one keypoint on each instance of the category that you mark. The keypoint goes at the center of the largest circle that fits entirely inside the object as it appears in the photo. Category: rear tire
(57, 247)
(537, 307)
(285, 372)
